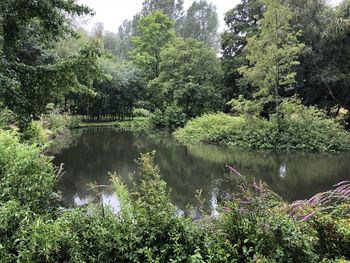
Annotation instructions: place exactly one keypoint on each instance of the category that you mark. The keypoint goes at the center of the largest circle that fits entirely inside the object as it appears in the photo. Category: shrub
(334, 233)
(7, 117)
(258, 222)
(210, 128)
(157, 119)
(172, 118)
(35, 133)
(26, 175)
(139, 112)
(147, 229)
(59, 123)
(295, 127)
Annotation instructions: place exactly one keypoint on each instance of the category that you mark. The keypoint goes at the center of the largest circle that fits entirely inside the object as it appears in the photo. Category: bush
(258, 222)
(157, 119)
(59, 123)
(146, 230)
(294, 127)
(173, 117)
(35, 133)
(139, 112)
(26, 175)
(7, 117)
(209, 128)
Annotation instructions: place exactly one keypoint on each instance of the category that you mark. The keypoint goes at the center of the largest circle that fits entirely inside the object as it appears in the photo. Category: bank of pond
(118, 200)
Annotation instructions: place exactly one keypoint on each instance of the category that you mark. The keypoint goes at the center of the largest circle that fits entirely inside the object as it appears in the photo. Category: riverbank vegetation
(294, 127)
(280, 83)
(266, 229)
(164, 64)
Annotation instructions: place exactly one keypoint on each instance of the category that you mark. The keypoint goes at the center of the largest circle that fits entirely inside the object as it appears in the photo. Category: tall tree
(201, 23)
(333, 63)
(190, 77)
(273, 54)
(155, 31)
(242, 22)
(172, 8)
(312, 18)
(125, 32)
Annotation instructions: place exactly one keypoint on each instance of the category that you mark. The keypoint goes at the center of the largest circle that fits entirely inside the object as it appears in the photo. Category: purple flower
(234, 171)
(306, 218)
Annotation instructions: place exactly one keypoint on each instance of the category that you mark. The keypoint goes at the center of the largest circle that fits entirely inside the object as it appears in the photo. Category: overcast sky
(113, 12)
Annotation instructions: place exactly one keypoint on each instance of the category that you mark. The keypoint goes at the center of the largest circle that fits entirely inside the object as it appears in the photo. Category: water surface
(98, 151)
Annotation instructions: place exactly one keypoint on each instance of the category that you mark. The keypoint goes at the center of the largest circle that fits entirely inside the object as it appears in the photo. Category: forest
(275, 79)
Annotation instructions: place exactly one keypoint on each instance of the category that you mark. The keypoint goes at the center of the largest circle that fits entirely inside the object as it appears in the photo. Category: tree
(30, 73)
(51, 15)
(273, 54)
(312, 18)
(155, 32)
(125, 32)
(333, 66)
(190, 77)
(116, 96)
(242, 22)
(172, 8)
(201, 23)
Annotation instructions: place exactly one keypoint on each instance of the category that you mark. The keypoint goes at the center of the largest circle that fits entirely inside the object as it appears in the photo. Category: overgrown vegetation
(294, 127)
(254, 225)
(162, 68)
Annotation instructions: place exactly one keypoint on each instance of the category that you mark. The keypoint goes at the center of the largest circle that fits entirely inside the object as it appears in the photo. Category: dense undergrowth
(254, 225)
(294, 127)
(53, 131)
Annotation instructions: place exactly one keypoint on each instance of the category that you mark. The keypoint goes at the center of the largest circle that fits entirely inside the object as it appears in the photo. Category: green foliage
(146, 229)
(190, 76)
(26, 175)
(263, 230)
(201, 23)
(114, 97)
(7, 117)
(209, 128)
(295, 127)
(157, 119)
(273, 53)
(59, 130)
(13, 217)
(334, 233)
(242, 22)
(155, 31)
(58, 123)
(139, 112)
(173, 117)
(255, 225)
(35, 133)
(138, 124)
(30, 74)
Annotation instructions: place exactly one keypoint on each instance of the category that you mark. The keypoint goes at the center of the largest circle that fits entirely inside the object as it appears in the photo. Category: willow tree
(273, 55)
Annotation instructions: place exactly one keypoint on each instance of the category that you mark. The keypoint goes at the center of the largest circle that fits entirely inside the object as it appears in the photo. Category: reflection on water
(283, 170)
(101, 150)
(107, 199)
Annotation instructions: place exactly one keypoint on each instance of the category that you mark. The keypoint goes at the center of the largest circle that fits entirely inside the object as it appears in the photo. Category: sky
(112, 12)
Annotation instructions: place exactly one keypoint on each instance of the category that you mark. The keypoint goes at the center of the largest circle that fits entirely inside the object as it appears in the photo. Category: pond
(98, 151)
